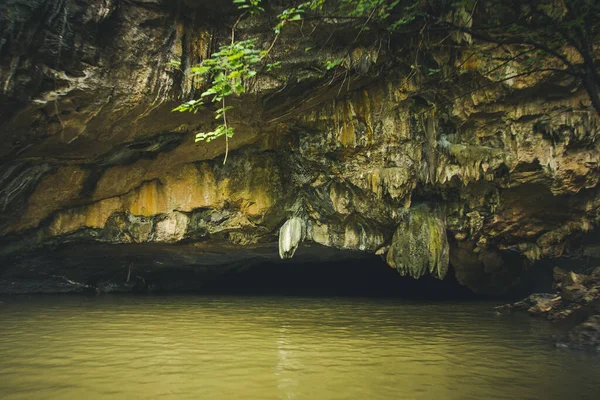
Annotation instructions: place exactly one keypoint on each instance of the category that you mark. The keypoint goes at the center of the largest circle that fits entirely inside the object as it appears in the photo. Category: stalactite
(420, 244)
(290, 236)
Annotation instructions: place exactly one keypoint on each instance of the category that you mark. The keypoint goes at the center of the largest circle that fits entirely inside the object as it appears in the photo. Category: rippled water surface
(280, 348)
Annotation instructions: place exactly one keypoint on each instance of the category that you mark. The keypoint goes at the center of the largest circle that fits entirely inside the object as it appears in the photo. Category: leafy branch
(229, 68)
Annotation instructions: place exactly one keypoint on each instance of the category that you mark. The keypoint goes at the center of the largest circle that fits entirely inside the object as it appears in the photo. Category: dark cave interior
(364, 277)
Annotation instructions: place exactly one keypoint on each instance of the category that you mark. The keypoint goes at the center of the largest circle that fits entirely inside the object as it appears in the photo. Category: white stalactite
(290, 236)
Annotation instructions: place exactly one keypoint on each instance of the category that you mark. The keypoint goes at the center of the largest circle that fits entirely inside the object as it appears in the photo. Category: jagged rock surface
(419, 245)
(96, 171)
(576, 303)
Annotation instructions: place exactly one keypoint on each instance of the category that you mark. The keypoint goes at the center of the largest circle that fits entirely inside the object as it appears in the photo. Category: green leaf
(209, 92)
(200, 70)
(331, 64)
(234, 74)
(239, 88)
(235, 56)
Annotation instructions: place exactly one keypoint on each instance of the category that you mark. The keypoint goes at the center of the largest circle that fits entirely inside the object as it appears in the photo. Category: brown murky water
(280, 348)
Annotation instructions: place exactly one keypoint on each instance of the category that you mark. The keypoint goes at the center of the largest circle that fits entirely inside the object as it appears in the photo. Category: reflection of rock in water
(288, 366)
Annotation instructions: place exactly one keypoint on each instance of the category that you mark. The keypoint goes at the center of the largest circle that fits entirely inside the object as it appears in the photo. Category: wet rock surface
(376, 161)
(575, 305)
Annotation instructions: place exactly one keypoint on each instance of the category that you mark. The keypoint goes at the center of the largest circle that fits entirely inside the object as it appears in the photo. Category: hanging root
(58, 55)
(129, 273)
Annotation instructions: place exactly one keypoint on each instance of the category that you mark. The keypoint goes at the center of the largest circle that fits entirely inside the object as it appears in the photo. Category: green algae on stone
(420, 244)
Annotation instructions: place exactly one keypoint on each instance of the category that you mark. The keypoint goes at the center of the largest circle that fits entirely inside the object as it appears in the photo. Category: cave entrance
(363, 277)
(135, 268)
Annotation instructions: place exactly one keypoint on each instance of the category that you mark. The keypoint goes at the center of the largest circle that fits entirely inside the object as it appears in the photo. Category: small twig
(235, 26)
(271, 46)
(364, 25)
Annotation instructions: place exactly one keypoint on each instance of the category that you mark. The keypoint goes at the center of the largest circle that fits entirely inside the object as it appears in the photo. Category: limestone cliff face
(96, 172)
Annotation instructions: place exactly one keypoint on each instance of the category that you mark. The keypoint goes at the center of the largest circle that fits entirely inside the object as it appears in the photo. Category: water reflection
(279, 348)
(287, 366)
